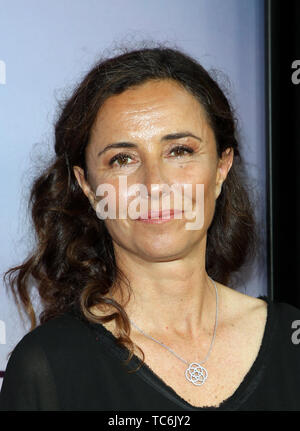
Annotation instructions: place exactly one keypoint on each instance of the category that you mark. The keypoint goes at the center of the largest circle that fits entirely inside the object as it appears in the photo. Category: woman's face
(166, 141)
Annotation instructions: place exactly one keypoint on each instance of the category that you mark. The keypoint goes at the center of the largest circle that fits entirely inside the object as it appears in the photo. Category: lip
(159, 216)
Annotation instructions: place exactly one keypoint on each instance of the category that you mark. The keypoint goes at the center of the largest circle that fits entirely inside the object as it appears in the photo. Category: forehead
(151, 103)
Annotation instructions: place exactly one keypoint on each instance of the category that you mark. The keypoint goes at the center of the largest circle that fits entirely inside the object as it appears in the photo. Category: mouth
(157, 217)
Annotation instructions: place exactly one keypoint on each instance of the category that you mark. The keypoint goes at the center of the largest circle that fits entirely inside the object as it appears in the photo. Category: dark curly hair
(73, 263)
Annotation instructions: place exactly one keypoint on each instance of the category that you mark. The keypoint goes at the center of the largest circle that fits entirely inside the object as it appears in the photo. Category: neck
(169, 299)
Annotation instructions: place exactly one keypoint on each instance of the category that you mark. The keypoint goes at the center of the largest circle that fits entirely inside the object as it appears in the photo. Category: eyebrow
(168, 137)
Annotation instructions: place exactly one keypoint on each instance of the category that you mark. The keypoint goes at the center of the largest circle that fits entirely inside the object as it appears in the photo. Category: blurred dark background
(283, 158)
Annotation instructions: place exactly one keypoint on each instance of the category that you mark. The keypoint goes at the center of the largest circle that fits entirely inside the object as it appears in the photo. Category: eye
(180, 148)
(122, 157)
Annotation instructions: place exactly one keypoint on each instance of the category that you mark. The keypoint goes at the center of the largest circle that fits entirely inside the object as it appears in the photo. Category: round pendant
(196, 374)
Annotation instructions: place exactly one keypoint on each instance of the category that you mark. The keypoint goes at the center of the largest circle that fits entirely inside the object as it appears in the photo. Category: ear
(85, 186)
(224, 165)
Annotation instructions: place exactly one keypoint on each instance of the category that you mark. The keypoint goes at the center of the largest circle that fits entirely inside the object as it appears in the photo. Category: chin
(162, 256)
(160, 249)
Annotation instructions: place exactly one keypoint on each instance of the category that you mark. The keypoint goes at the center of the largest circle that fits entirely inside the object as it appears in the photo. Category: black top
(69, 364)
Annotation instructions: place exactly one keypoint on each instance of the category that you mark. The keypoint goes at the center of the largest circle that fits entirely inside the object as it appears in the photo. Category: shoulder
(51, 339)
(241, 308)
(278, 321)
(29, 380)
(238, 305)
(285, 310)
(56, 328)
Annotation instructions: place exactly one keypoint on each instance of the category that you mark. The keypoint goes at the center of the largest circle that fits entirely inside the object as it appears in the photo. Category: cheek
(201, 176)
(203, 194)
(119, 196)
(125, 197)
(106, 193)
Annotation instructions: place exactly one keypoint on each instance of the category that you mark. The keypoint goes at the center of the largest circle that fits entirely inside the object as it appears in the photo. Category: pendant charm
(196, 374)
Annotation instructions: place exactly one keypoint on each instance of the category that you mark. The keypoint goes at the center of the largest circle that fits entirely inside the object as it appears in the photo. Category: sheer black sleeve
(28, 383)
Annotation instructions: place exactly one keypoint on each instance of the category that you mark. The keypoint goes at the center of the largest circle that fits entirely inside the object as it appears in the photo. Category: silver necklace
(195, 373)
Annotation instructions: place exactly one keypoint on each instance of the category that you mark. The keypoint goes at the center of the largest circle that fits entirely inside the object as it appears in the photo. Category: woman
(137, 311)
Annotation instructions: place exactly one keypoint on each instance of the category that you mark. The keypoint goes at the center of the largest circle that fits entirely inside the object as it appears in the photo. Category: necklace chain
(212, 341)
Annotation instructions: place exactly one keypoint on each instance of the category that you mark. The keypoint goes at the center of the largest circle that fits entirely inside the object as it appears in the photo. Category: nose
(154, 178)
